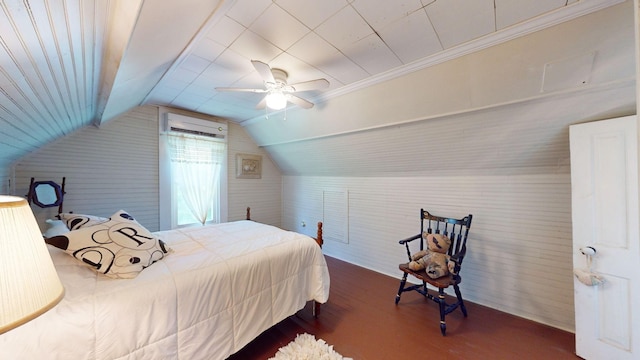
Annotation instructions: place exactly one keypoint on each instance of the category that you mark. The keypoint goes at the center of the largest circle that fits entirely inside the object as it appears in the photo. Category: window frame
(166, 210)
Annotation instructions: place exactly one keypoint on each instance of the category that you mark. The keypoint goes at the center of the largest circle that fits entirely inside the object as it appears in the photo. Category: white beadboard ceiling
(69, 64)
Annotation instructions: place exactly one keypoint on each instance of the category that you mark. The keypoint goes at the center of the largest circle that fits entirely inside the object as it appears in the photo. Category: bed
(217, 289)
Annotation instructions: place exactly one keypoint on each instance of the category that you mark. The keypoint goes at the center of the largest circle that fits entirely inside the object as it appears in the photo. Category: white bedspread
(220, 287)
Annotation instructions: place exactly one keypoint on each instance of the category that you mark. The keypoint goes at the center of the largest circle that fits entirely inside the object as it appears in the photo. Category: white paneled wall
(519, 258)
(263, 195)
(5, 180)
(519, 249)
(116, 167)
(107, 169)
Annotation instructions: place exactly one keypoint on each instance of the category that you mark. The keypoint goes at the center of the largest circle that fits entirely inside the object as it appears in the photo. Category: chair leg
(402, 283)
(460, 302)
(315, 308)
(443, 304)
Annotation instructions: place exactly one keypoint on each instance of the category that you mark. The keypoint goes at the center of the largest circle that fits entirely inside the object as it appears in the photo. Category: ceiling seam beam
(569, 92)
(213, 19)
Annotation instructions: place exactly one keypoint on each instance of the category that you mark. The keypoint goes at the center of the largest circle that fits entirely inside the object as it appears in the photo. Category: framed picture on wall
(248, 166)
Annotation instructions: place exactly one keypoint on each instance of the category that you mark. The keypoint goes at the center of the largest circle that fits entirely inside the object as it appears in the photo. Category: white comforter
(220, 287)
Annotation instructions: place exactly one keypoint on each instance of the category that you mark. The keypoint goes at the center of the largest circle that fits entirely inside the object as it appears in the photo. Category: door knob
(588, 250)
(587, 276)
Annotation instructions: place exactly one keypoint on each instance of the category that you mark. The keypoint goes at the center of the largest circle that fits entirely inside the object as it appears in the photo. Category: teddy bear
(434, 260)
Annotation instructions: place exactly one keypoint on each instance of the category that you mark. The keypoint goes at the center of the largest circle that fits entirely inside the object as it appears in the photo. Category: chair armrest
(404, 241)
(457, 259)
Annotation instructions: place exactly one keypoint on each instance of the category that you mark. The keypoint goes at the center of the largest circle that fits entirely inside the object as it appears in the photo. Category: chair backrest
(456, 230)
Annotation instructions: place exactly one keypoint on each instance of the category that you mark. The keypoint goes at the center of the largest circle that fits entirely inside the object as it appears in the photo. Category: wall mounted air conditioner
(189, 125)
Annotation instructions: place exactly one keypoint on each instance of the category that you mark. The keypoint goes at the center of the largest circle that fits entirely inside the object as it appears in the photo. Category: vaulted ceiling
(65, 65)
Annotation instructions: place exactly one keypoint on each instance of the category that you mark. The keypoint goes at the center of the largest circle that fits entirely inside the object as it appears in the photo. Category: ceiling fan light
(276, 100)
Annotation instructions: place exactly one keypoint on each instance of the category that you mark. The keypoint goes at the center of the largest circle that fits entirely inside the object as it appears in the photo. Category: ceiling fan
(277, 90)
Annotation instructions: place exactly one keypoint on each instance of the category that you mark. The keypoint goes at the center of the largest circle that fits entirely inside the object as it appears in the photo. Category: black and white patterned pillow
(77, 221)
(119, 247)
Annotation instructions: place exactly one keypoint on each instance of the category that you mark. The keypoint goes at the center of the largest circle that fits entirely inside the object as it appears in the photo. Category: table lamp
(29, 284)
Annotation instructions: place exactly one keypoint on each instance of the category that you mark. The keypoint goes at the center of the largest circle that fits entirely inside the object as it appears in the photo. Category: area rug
(306, 347)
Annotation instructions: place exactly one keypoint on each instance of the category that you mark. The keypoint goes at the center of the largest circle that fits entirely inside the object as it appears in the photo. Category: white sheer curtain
(195, 174)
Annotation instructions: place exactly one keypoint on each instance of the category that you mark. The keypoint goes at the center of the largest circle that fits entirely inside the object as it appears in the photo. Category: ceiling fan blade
(264, 70)
(241, 89)
(262, 104)
(300, 101)
(310, 85)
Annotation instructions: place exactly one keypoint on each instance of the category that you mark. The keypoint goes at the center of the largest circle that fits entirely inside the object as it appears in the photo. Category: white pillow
(119, 247)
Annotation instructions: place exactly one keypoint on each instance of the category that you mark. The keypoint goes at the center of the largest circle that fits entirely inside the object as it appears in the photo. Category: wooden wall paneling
(335, 215)
(107, 169)
(263, 195)
(116, 167)
(5, 180)
(519, 244)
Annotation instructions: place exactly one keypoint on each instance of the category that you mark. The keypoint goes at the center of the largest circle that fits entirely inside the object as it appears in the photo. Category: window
(193, 156)
(196, 162)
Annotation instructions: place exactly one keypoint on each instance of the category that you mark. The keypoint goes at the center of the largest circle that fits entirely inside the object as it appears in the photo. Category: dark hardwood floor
(361, 321)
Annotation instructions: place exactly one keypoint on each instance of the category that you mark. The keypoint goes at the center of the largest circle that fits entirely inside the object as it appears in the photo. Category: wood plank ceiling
(69, 64)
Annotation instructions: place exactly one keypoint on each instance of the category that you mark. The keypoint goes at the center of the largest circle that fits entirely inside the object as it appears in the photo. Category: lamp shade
(276, 100)
(29, 284)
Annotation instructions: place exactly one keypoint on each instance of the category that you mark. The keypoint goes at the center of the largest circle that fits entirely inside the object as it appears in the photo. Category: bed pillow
(77, 221)
(119, 247)
(55, 228)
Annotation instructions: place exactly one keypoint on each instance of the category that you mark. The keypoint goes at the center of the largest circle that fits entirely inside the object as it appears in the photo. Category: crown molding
(567, 13)
(541, 22)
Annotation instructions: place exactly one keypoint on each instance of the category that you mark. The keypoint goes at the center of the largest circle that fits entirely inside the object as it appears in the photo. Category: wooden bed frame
(318, 237)
(315, 308)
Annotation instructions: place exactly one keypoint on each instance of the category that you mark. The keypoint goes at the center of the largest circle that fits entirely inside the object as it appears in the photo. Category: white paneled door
(604, 186)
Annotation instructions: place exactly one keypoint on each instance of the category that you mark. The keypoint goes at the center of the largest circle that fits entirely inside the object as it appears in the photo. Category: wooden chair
(455, 229)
